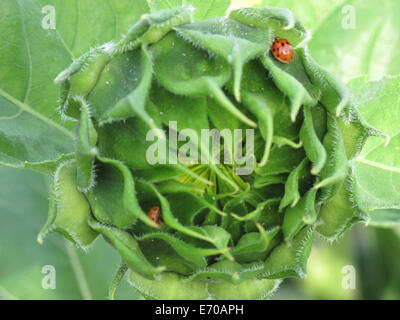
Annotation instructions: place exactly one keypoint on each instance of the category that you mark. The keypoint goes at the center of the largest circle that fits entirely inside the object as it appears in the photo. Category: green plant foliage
(378, 160)
(79, 274)
(221, 234)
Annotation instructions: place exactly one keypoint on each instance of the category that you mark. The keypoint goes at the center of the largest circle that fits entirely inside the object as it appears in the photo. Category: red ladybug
(282, 50)
(154, 215)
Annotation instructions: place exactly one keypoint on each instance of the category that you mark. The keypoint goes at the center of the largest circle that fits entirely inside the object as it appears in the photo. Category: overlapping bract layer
(224, 236)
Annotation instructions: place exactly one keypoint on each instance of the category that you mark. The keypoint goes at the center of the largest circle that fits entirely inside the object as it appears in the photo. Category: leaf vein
(378, 165)
(28, 51)
(25, 107)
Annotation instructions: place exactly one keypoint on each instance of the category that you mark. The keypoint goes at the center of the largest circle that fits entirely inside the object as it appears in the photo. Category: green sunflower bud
(188, 226)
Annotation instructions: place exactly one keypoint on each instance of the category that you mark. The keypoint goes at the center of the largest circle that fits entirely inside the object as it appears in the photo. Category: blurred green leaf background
(369, 49)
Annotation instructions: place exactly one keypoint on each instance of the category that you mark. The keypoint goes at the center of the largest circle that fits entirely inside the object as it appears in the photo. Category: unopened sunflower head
(207, 153)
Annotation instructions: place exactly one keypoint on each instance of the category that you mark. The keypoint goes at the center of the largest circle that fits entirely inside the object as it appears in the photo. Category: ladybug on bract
(154, 215)
(282, 50)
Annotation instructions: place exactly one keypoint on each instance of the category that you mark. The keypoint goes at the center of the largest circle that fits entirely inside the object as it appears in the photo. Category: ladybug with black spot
(154, 214)
(282, 50)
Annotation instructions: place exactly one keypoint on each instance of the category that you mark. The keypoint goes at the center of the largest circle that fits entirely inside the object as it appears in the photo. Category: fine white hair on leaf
(196, 45)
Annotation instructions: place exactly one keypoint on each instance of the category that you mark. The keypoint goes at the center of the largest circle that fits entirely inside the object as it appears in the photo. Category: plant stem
(78, 271)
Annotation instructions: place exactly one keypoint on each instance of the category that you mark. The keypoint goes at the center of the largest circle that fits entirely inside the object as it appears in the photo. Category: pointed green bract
(255, 214)
(68, 209)
(334, 172)
(293, 81)
(122, 269)
(228, 271)
(169, 218)
(282, 160)
(252, 289)
(152, 27)
(338, 215)
(282, 22)
(292, 194)
(314, 149)
(134, 103)
(168, 286)
(229, 39)
(257, 105)
(304, 212)
(85, 148)
(261, 181)
(253, 246)
(186, 251)
(282, 141)
(129, 200)
(196, 74)
(129, 249)
(335, 95)
(84, 79)
(290, 259)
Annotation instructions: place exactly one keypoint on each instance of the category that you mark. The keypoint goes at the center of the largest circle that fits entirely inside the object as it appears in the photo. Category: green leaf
(376, 174)
(31, 132)
(77, 38)
(30, 139)
(375, 23)
(203, 9)
(68, 210)
(310, 13)
(384, 218)
(376, 169)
